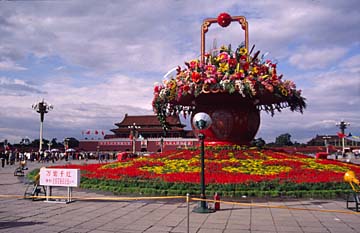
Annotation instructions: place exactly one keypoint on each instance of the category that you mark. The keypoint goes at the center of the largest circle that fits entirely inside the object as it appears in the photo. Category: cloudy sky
(97, 60)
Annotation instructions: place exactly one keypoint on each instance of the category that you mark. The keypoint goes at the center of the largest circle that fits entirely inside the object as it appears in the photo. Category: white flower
(240, 86)
(162, 93)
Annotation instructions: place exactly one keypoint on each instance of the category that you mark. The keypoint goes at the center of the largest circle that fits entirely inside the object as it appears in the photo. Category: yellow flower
(283, 90)
(223, 67)
(117, 165)
(173, 165)
(312, 164)
(255, 70)
(223, 47)
(243, 51)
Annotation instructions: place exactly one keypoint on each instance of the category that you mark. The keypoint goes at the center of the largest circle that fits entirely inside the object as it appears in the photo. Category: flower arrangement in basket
(226, 70)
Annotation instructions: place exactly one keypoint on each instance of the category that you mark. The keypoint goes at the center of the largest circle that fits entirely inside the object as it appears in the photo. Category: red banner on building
(115, 143)
(176, 143)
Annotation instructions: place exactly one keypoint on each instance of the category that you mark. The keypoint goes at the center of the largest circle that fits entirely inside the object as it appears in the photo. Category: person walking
(2, 158)
(12, 157)
(7, 157)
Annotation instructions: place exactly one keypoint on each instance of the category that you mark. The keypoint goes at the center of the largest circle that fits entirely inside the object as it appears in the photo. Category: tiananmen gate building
(149, 136)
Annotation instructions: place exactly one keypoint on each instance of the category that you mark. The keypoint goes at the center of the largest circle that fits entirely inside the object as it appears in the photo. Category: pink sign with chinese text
(60, 177)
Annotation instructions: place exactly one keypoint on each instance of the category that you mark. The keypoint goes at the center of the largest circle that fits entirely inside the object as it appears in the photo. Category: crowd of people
(11, 157)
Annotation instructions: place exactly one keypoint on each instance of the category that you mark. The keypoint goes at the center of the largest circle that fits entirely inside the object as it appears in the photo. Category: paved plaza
(164, 215)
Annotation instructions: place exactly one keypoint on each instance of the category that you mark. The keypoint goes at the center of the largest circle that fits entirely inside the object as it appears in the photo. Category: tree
(25, 141)
(36, 142)
(298, 144)
(54, 142)
(259, 142)
(283, 140)
(73, 142)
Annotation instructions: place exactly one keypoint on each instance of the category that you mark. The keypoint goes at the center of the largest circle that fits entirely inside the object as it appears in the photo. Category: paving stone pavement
(158, 216)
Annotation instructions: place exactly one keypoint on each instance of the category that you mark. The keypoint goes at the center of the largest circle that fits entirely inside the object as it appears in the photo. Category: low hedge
(253, 189)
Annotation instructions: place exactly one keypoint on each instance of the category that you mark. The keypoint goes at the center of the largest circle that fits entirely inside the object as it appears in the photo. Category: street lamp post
(133, 130)
(49, 145)
(326, 143)
(98, 153)
(66, 147)
(161, 144)
(202, 121)
(343, 125)
(66, 143)
(42, 107)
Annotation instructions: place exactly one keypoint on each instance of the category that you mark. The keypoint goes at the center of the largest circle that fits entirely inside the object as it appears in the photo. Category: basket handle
(205, 27)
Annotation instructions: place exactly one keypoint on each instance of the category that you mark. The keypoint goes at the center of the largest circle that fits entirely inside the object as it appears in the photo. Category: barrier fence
(187, 199)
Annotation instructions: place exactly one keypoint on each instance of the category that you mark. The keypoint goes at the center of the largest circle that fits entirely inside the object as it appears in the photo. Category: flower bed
(232, 172)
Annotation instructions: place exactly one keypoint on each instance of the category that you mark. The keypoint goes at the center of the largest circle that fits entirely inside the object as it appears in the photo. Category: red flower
(157, 88)
(196, 77)
(194, 64)
(185, 88)
(210, 69)
(215, 162)
(246, 66)
(232, 62)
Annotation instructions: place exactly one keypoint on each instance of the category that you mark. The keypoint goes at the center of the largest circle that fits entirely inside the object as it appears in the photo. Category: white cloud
(352, 64)
(331, 97)
(60, 68)
(118, 89)
(98, 106)
(17, 87)
(8, 65)
(109, 40)
(309, 58)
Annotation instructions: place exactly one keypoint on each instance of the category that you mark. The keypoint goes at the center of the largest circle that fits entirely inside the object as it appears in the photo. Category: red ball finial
(224, 19)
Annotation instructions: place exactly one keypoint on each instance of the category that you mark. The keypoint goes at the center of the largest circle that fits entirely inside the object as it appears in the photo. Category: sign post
(69, 178)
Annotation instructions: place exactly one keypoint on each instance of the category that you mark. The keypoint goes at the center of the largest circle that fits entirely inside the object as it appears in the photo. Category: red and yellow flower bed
(234, 171)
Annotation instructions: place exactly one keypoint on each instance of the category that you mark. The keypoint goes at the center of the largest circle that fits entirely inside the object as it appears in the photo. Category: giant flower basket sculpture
(231, 85)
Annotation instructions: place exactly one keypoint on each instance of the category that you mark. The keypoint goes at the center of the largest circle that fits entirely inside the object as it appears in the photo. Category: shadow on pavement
(4, 225)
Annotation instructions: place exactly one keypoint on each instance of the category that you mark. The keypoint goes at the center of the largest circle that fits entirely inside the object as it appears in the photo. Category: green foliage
(252, 189)
(259, 143)
(31, 175)
(283, 140)
(73, 142)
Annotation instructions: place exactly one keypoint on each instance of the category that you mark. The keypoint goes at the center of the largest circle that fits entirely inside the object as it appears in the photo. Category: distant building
(150, 136)
(334, 140)
(150, 127)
